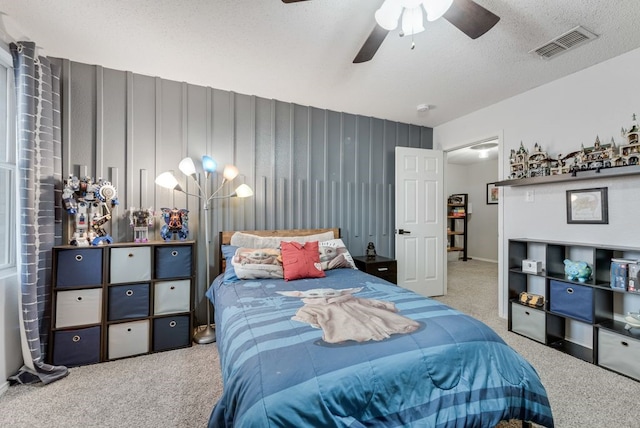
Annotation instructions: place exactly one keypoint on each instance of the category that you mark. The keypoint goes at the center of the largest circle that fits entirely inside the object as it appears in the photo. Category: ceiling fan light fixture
(436, 8)
(412, 21)
(388, 15)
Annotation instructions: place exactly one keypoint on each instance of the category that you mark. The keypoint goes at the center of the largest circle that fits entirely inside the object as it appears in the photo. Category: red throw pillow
(301, 260)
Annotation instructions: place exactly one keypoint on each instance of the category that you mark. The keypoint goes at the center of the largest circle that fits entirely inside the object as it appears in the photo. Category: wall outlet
(529, 196)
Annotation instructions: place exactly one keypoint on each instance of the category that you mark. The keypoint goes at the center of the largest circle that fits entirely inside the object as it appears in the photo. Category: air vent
(569, 40)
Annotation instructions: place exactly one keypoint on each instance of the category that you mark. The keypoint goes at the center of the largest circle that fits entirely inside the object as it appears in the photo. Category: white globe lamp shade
(187, 167)
(168, 181)
(243, 191)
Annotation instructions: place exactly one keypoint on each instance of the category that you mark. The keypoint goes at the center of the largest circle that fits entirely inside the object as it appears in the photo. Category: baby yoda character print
(343, 317)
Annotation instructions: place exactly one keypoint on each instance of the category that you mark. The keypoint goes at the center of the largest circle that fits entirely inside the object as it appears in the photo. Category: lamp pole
(208, 333)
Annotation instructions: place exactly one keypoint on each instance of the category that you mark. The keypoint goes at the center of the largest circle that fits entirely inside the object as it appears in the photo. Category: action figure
(90, 203)
(176, 223)
(141, 220)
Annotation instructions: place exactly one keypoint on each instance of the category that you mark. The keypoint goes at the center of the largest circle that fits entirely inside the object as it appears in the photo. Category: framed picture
(587, 206)
(493, 195)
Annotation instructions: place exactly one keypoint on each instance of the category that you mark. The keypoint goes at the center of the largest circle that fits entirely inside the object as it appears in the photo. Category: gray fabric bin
(619, 353)
(129, 338)
(172, 297)
(527, 321)
(78, 307)
(130, 264)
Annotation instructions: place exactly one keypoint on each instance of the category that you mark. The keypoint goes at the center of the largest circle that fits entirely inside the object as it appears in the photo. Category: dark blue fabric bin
(173, 261)
(171, 333)
(572, 300)
(79, 267)
(128, 301)
(76, 347)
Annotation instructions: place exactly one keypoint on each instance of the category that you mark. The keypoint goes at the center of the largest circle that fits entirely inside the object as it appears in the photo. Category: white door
(420, 220)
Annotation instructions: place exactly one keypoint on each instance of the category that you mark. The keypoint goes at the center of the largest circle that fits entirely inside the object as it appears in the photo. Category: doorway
(471, 170)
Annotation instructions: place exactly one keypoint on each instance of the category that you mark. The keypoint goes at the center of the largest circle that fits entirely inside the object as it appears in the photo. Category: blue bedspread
(452, 371)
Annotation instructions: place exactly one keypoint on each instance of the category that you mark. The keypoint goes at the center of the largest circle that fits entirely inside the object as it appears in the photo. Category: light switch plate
(529, 196)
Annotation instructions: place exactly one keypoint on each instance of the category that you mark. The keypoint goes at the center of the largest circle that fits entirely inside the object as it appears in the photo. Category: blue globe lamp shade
(208, 164)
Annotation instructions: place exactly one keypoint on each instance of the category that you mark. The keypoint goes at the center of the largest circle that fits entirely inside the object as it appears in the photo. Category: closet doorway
(471, 170)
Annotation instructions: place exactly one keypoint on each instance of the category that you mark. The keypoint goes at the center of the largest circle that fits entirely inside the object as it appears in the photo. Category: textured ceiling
(303, 52)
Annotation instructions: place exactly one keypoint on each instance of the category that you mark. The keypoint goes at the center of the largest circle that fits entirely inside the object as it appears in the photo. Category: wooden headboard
(225, 237)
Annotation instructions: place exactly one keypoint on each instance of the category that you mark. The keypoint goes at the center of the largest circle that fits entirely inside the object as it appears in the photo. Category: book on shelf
(633, 280)
(620, 272)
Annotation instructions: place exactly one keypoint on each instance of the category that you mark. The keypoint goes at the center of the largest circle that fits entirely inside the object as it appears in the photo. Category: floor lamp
(207, 333)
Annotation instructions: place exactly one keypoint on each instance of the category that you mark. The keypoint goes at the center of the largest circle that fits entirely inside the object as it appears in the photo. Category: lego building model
(141, 221)
(90, 203)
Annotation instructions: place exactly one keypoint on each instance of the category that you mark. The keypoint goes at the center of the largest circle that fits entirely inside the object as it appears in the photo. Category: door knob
(403, 232)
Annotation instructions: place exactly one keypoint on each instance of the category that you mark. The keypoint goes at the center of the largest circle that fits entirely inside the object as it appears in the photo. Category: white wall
(10, 350)
(561, 116)
(482, 223)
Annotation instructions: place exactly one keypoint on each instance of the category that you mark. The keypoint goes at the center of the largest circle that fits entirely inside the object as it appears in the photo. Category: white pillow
(334, 255)
(240, 239)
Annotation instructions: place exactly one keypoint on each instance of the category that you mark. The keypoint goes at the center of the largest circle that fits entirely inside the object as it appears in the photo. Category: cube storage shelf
(592, 304)
(457, 213)
(121, 300)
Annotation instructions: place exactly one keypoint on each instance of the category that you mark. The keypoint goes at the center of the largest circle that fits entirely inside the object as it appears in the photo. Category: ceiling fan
(466, 15)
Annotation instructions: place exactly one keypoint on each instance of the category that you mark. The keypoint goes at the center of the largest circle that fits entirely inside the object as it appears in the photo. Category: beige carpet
(179, 388)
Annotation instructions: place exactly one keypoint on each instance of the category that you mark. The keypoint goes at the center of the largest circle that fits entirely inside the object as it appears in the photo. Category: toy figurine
(176, 223)
(371, 251)
(141, 220)
(90, 203)
(580, 271)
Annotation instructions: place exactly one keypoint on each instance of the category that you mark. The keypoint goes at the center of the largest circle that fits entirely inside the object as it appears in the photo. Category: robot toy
(90, 203)
(176, 223)
(141, 220)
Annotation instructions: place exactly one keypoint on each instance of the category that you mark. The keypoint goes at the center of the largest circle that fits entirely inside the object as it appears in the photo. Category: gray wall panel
(114, 132)
(309, 167)
(82, 135)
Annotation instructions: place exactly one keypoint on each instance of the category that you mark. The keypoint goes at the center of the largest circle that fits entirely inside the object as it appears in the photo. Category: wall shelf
(620, 171)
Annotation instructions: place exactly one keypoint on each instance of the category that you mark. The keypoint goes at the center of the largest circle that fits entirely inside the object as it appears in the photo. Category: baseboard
(4, 387)
(483, 260)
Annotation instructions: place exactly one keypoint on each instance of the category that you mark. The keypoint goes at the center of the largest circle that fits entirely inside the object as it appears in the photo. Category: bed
(352, 350)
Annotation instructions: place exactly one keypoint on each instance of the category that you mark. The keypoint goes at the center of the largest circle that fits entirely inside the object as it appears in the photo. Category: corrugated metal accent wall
(308, 167)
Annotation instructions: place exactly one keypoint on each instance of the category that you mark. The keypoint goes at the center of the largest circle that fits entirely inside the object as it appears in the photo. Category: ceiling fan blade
(470, 18)
(371, 45)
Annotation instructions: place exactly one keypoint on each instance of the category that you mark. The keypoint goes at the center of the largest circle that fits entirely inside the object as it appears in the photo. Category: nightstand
(382, 267)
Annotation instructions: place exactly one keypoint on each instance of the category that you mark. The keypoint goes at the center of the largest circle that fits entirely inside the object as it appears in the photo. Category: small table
(382, 267)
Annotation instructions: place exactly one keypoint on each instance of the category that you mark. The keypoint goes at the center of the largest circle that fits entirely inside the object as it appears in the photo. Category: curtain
(39, 192)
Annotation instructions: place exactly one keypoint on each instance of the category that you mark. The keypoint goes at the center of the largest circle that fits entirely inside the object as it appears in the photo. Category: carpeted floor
(179, 388)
